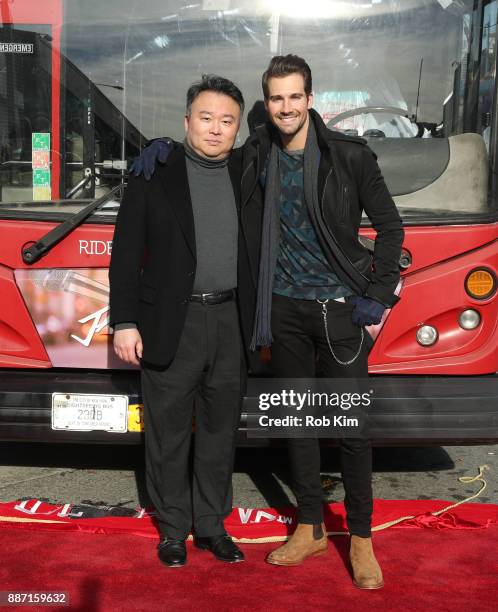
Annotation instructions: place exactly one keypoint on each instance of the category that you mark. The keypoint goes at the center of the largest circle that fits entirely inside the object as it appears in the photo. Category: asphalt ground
(114, 475)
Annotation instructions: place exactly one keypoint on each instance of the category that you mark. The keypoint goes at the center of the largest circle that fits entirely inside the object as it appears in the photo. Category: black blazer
(153, 260)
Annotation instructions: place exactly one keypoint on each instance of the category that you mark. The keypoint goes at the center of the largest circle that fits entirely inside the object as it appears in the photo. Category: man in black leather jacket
(303, 190)
(317, 183)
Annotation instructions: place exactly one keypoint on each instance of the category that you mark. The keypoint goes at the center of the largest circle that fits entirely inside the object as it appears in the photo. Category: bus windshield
(415, 78)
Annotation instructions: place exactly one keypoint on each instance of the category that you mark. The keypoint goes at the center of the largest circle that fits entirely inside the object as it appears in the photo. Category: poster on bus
(70, 309)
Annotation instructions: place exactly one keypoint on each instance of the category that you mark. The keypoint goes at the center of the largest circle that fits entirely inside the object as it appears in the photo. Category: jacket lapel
(326, 161)
(234, 170)
(174, 180)
(255, 153)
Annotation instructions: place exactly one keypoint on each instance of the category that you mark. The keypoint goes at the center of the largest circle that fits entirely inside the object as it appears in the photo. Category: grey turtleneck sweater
(215, 223)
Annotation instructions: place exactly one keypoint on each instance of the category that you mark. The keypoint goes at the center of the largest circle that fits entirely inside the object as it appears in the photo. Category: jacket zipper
(330, 232)
(344, 201)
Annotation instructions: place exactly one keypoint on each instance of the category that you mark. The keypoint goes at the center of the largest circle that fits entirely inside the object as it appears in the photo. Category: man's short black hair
(282, 66)
(218, 84)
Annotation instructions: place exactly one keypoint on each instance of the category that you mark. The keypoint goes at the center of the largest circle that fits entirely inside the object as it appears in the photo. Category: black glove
(366, 311)
(155, 150)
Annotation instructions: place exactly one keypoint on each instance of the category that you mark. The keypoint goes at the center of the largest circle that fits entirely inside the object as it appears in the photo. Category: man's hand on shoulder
(128, 345)
(155, 150)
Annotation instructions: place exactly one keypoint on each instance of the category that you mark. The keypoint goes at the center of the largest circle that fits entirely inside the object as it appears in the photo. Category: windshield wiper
(32, 254)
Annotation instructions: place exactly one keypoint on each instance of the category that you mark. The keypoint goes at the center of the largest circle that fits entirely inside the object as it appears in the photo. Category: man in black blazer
(178, 271)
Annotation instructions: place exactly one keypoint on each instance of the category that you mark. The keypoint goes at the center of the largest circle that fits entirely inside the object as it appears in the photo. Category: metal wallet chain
(324, 315)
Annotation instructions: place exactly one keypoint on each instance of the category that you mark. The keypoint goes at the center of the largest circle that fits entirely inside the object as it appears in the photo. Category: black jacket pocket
(147, 294)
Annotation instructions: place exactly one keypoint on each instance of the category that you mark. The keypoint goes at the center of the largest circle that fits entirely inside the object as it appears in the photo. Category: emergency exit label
(16, 47)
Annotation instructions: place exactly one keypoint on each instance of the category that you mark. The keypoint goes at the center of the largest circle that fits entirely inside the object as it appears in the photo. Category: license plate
(85, 412)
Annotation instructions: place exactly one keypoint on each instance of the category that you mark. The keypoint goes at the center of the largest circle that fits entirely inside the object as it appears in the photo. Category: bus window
(415, 78)
(25, 105)
(388, 71)
(417, 81)
(99, 142)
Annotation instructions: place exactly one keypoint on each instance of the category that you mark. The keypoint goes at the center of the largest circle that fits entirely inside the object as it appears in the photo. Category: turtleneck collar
(205, 162)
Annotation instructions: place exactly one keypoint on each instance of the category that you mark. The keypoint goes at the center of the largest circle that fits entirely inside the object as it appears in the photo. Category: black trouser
(299, 349)
(208, 367)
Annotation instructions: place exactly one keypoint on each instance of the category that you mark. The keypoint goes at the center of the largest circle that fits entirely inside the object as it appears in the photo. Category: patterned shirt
(302, 270)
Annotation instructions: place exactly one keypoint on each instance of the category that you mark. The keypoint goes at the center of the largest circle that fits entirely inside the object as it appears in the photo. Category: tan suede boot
(306, 541)
(366, 570)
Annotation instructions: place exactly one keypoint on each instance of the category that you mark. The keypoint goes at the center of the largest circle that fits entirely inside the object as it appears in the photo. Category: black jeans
(209, 369)
(300, 350)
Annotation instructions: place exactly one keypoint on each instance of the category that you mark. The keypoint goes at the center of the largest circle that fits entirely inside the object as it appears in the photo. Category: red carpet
(444, 563)
(446, 570)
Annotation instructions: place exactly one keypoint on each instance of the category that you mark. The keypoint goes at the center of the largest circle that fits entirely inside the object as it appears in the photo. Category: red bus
(84, 84)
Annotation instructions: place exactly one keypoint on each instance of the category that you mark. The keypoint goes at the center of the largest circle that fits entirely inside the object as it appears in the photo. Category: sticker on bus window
(40, 162)
(41, 193)
(40, 141)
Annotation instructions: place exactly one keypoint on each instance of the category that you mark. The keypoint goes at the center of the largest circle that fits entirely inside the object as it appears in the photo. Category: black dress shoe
(172, 553)
(221, 546)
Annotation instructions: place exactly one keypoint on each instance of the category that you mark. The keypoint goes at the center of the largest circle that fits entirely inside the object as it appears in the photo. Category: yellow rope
(463, 479)
(18, 519)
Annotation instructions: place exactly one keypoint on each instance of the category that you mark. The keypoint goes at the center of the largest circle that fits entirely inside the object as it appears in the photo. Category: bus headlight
(469, 319)
(427, 335)
(480, 283)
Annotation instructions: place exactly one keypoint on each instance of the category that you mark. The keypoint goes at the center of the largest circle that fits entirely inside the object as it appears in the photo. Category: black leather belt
(215, 297)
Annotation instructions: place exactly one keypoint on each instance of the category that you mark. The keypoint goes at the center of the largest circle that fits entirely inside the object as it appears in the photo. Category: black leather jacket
(349, 181)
